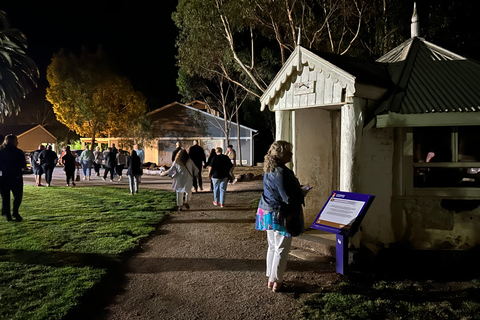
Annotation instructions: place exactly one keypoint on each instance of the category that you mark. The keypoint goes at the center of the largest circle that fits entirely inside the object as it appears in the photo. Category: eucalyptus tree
(258, 35)
(18, 72)
(246, 42)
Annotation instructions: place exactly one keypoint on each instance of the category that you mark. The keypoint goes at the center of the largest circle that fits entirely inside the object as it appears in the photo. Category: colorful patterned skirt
(268, 220)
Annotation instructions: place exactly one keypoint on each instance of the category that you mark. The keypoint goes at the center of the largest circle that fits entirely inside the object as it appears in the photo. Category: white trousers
(181, 196)
(277, 254)
(133, 183)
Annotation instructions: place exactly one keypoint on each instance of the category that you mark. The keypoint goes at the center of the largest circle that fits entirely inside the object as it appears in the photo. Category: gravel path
(208, 263)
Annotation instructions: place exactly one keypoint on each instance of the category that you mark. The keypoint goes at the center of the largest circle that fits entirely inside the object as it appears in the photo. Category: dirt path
(208, 263)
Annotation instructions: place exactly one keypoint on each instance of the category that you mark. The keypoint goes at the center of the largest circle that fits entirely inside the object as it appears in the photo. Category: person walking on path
(48, 160)
(121, 162)
(232, 155)
(197, 154)
(141, 155)
(134, 172)
(281, 193)
(68, 161)
(212, 154)
(218, 172)
(109, 164)
(182, 171)
(97, 160)
(86, 159)
(12, 161)
(178, 146)
(37, 168)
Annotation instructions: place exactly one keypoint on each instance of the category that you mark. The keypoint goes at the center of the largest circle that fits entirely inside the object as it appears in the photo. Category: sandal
(277, 286)
(270, 285)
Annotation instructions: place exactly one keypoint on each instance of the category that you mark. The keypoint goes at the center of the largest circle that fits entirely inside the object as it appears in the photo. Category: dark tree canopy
(18, 73)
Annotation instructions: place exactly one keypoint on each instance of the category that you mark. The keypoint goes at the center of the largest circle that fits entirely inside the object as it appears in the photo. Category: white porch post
(348, 137)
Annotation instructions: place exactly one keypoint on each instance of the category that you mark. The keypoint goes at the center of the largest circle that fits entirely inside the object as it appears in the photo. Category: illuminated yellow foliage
(91, 100)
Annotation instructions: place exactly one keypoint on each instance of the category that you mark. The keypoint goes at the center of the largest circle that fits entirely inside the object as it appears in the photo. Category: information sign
(343, 212)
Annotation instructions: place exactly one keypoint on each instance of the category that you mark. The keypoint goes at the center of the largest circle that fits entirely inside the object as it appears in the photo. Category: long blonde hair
(182, 157)
(275, 153)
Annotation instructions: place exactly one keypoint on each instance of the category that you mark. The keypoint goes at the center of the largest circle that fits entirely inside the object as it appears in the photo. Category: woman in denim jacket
(281, 190)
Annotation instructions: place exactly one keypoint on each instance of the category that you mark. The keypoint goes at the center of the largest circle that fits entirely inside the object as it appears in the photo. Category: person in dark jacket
(281, 191)
(48, 160)
(218, 172)
(197, 154)
(110, 162)
(12, 161)
(68, 161)
(134, 171)
(35, 163)
(178, 146)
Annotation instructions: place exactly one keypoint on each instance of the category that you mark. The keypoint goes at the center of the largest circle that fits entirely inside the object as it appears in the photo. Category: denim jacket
(280, 188)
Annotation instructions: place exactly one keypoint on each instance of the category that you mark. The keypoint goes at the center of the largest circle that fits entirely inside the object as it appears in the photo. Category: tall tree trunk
(227, 129)
(239, 153)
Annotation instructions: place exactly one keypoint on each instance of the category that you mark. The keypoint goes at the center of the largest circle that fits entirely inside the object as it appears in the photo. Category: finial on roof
(299, 36)
(415, 28)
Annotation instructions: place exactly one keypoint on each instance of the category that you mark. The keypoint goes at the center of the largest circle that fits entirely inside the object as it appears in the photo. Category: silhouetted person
(68, 161)
(197, 154)
(48, 160)
(12, 161)
(134, 172)
(178, 148)
(35, 163)
(109, 164)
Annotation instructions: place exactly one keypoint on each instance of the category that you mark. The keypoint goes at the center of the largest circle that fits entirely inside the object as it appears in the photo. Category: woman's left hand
(305, 190)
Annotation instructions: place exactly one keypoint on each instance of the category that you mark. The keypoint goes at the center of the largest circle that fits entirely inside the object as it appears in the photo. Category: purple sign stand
(342, 214)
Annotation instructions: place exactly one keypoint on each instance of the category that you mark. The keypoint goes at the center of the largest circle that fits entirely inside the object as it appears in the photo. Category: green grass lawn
(417, 300)
(66, 241)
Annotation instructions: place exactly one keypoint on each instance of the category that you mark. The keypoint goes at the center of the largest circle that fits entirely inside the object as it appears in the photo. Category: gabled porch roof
(348, 72)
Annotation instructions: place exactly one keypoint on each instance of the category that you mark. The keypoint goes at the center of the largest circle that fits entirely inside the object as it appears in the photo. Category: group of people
(280, 206)
(186, 171)
(115, 161)
(44, 160)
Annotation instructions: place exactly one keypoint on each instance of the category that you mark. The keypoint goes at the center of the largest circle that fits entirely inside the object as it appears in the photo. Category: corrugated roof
(365, 71)
(428, 78)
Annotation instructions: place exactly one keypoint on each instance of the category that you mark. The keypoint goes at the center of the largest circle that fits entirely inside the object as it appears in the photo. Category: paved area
(148, 181)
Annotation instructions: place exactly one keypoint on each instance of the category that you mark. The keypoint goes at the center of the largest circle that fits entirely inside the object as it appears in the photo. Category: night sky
(138, 37)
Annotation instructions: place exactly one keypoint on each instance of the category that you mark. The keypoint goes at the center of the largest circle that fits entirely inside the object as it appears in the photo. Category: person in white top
(182, 171)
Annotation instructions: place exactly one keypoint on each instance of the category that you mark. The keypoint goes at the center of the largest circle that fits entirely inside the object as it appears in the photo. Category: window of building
(445, 157)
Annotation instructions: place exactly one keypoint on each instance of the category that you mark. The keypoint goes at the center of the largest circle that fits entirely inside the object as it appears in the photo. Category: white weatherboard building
(178, 122)
(185, 123)
(405, 128)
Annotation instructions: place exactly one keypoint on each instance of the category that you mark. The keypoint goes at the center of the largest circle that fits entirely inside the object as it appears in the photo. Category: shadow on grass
(97, 297)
